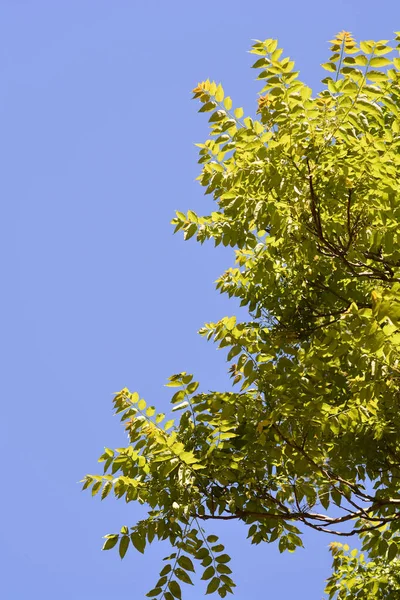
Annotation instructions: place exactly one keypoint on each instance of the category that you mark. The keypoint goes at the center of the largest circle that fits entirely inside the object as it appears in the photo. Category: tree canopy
(307, 192)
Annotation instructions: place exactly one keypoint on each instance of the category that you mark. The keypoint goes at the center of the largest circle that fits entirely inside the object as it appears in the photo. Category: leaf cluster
(307, 194)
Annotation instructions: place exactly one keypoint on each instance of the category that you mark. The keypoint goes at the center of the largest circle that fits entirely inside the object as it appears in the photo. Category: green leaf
(153, 593)
(178, 396)
(202, 553)
(111, 541)
(175, 589)
(393, 551)
(224, 569)
(183, 576)
(208, 106)
(87, 482)
(223, 558)
(282, 545)
(123, 545)
(212, 586)
(211, 539)
(218, 115)
(192, 387)
(208, 573)
(138, 541)
(96, 487)
(185, 563)
(234, 351)
(165, 570)
(189, 233)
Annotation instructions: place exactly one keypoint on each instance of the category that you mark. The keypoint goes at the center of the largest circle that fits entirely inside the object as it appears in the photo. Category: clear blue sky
(97, 133)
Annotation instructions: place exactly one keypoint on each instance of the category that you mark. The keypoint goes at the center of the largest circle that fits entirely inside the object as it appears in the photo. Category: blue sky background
(97, 134)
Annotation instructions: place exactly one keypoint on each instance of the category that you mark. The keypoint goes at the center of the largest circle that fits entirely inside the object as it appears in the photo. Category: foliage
(354, 577)
(307, 194)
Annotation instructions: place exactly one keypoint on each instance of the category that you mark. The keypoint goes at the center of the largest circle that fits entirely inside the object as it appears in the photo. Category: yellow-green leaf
(219, 93)
(380, 62)
(329, 66)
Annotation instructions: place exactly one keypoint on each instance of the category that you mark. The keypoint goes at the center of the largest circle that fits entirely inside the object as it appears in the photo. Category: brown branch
(377, 258)
(354, 531)
(305, 517)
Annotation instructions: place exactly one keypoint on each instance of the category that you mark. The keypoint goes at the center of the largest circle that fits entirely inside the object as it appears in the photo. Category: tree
(308, 195)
